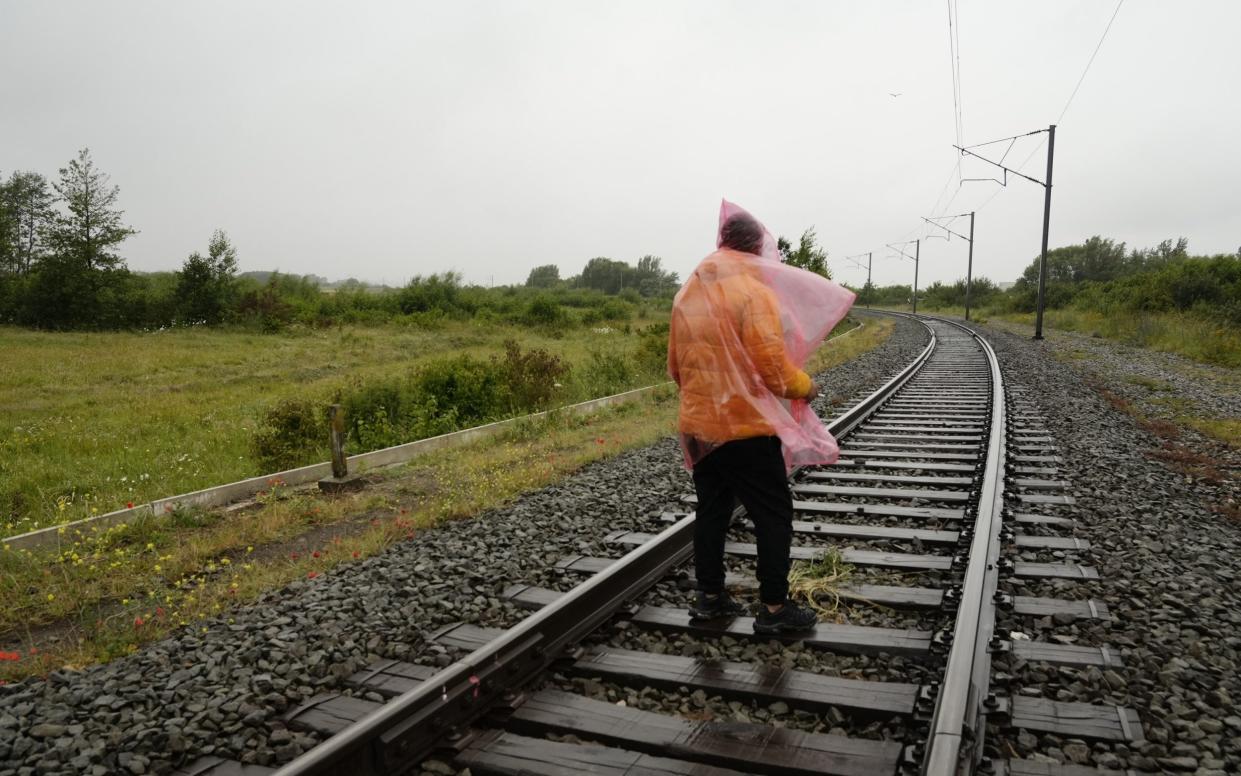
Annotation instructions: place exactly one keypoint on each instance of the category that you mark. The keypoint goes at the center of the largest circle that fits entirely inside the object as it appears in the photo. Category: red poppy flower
(137, 622)
(311, 574)
(314, 554)
(129, 505)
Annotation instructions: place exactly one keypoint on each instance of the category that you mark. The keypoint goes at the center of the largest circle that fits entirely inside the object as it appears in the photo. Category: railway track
(940, 499)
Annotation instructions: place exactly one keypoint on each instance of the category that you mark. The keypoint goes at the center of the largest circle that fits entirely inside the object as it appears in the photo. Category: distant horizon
(373, 284)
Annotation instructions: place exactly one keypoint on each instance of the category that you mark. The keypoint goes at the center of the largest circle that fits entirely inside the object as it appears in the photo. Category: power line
(952, 171)
(960, 87)
(1005, 139)
(1039, 146)
(1091, 62)
(954, 64)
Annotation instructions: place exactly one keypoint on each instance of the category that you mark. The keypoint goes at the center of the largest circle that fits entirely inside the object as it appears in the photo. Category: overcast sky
(385, 140)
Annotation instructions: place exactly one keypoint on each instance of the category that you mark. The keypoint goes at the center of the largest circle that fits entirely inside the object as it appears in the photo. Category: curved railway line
(940, 485)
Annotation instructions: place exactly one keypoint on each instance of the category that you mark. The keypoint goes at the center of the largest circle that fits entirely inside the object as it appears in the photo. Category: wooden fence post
(340, 481)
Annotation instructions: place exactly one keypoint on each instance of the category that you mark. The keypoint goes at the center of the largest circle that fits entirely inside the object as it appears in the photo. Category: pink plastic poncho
(742, 328)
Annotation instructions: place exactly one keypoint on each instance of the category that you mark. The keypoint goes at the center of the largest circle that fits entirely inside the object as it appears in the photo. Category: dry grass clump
(820, 582)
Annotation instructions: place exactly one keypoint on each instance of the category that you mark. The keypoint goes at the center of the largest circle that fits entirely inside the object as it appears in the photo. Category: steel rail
(405, 730)
(954, 744)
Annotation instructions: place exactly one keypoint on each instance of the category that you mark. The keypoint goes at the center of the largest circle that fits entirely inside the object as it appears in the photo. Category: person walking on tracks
(741, 327)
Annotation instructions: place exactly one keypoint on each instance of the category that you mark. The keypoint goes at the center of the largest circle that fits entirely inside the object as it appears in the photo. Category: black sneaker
(715, 607)
(791, 618)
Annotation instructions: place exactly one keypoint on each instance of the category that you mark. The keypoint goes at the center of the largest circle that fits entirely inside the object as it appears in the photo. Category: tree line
(60, 268)
(1099, 274)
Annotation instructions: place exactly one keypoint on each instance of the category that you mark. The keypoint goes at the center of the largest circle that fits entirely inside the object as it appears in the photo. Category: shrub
(616, 310)
(543, 311)
(292, 433)
(531, 377)
(469, 388)
(652, 353)
(439, 293)
(607, 373)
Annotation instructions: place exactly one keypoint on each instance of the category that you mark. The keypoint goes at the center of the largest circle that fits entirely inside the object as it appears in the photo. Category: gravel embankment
(223, 691)
(1170, 566)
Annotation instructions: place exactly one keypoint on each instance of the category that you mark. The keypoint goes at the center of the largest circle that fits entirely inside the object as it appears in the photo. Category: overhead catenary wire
(954, 63)
(1042, 141)
(958, 128)
(1038, 147)
(1102, 37)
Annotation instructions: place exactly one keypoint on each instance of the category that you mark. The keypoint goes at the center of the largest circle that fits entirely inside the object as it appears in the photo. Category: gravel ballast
(1170, 571)
(223, 691)
(1169, 565)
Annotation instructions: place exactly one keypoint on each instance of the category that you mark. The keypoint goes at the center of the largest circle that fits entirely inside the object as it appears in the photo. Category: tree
(808, 255)
(606, 275)
(27, 199)
(205, 286)
(1097, 259)
(8, 234)
(81, 272)
(88, 234)
(545, 276)
(651, 278)
(867, 296)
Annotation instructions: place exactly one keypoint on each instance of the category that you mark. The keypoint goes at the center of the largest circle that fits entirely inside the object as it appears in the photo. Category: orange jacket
(726, 347)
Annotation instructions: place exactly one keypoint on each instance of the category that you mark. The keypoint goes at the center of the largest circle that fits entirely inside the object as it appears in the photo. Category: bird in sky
(895, 94)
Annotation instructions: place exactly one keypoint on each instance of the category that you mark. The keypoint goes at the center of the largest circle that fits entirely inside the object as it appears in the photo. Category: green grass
(1195, 337)
(105, 594)
(1149, 383)
(92, 421)
(1227, 430)
(1199, 339)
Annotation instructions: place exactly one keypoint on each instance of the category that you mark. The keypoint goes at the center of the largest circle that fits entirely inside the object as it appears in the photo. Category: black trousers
(750, 471)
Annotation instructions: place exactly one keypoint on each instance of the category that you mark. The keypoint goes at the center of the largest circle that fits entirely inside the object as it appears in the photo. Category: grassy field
(1196, 338)
(92, 421)
(104, 596)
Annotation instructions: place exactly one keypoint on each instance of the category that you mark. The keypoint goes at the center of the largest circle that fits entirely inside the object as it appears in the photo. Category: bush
(543, 311)
(616, 310)
(467, 387)
(378, 418)
(439, 293)
(652, 352)
(292, 433)
(608, 373)
(531, 377)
